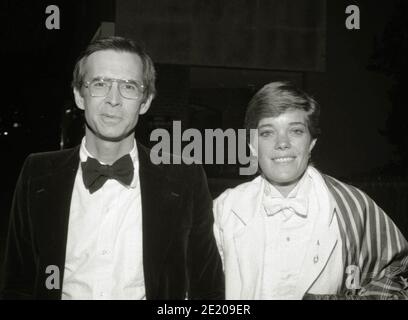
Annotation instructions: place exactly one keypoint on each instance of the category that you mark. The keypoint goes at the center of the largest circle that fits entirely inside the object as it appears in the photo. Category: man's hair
(118, 44)
(276, 98)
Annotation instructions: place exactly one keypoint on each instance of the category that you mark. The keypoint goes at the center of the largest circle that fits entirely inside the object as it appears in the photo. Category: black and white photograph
(232, 151)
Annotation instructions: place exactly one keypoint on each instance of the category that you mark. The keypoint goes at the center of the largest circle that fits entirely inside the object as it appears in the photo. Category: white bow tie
(298, 205)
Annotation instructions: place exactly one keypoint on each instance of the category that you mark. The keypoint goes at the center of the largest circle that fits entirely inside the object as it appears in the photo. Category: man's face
(284, 146)
(113, 117)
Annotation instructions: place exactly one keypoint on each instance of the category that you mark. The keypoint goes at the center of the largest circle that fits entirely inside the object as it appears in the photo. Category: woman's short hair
(121, 45)
(276, 98)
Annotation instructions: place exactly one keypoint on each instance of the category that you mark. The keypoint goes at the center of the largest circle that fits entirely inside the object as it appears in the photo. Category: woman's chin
(283, 180)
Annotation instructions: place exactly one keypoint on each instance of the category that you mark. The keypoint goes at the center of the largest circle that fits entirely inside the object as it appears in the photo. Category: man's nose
(282, 142)
(114, 97)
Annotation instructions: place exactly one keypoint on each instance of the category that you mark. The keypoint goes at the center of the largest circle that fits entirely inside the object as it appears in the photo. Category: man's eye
(100, 84)
(130, 87)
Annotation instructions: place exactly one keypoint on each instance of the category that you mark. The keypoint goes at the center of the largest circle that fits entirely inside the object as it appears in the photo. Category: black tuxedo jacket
(180, 256)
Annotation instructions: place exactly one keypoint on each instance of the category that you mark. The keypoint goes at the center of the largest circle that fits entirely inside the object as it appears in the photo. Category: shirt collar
(298, 198)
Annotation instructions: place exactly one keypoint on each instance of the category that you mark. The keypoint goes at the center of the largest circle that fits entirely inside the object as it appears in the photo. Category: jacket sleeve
(218, 209)
(390, 250)
(382, 254)
(206, 277)
(17, 279)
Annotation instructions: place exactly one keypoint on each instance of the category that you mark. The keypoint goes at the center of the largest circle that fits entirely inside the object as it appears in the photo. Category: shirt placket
(106, 238)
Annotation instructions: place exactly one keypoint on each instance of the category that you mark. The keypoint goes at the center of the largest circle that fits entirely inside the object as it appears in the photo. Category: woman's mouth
(284, 159)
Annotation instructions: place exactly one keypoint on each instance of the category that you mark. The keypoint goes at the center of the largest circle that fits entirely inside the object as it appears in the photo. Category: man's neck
(108, 151)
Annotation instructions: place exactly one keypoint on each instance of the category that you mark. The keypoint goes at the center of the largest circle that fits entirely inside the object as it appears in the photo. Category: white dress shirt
(289, 239)
(104, 258)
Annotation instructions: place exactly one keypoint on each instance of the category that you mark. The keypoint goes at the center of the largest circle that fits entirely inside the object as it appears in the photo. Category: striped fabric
(372, 242)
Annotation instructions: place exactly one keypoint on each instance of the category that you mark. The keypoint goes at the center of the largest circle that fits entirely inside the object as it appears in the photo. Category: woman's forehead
(289, 117)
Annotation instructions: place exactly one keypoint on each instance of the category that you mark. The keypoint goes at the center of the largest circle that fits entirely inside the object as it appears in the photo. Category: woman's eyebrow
(297, 123)
(265, 125)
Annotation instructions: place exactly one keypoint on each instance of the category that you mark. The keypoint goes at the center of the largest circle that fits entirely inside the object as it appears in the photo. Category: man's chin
(110, 137)
(114, 138)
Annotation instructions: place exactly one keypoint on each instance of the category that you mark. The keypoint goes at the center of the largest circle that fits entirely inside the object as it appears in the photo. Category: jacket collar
(243, 202)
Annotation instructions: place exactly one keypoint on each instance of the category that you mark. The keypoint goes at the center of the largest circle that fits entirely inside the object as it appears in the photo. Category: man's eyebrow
(109, 78)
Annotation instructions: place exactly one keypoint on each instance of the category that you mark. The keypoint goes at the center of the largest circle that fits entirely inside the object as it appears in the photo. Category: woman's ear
(312, 144)
(79, 99)
(253, 143)
(254, 150)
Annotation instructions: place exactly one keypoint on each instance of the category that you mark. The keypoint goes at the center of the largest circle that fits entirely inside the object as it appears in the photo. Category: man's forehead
(111, 62)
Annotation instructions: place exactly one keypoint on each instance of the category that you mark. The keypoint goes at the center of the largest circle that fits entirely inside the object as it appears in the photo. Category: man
(101, 221)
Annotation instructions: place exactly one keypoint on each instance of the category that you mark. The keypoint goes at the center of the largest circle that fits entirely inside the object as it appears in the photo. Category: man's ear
(144, 106)
(79, 99)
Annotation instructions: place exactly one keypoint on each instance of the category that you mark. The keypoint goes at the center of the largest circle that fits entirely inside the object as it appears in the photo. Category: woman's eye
(298, 131)
(265, 134)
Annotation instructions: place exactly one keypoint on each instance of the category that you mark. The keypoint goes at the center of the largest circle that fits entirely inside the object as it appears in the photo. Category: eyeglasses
(129, 89)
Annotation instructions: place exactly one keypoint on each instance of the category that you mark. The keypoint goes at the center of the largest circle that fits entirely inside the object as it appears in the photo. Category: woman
(295, 233)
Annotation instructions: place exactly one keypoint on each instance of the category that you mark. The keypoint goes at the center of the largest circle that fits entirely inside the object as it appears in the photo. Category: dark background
(211, 57)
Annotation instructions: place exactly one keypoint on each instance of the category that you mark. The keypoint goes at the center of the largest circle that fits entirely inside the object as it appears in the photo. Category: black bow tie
(95, 174)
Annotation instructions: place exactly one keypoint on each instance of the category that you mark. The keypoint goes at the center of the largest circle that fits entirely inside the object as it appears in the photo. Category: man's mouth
(110, 118)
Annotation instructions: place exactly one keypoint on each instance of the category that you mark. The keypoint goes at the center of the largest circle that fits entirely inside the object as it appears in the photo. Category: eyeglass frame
(110, 81)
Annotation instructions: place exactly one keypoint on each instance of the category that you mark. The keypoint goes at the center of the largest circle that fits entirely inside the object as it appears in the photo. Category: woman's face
(284, 146)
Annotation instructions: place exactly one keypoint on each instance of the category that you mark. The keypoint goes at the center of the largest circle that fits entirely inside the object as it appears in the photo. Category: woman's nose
(282, 142)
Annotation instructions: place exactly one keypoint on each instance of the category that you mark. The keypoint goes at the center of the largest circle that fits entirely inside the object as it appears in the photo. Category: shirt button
(287, 239)
(104, 252)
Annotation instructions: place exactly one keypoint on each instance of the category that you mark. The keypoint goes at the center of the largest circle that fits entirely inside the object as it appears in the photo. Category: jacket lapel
(51, 206)
(322, 241)
(249, 238)
(322, 244)
(160, 200)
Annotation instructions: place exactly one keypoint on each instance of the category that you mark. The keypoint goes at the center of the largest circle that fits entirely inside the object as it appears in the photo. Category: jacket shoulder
(343, 189)
(52, 155)
(45, 162)
(349, 196)
(236, 192)
(233, 196)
